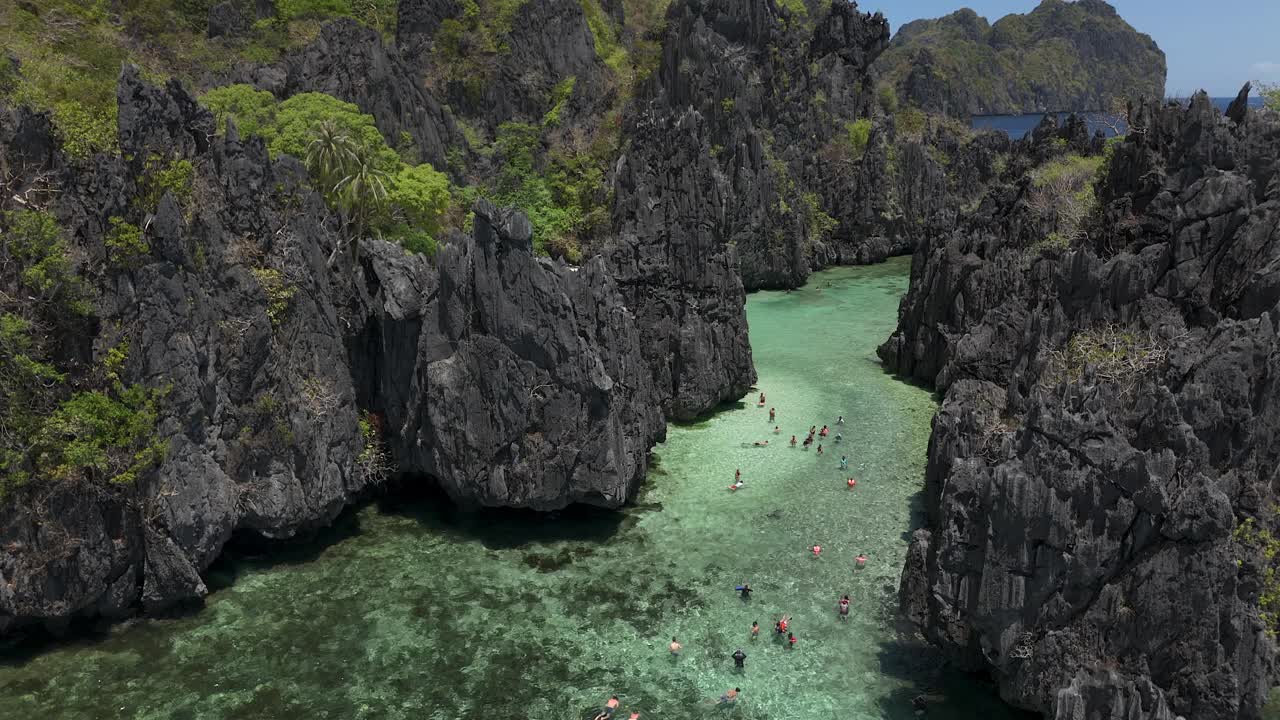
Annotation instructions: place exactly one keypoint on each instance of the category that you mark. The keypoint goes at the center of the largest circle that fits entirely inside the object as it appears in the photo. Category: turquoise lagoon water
(410, 609)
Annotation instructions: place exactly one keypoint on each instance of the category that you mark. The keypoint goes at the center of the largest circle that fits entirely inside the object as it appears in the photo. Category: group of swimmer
(781, 626)
(809, 440)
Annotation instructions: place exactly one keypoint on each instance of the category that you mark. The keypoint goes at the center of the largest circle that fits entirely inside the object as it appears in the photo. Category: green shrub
(1250, 538)
(887, 96)
(1270, 96)
(174, 177)
(34, 239)
(910, 121)
(819, 223)
(608, 47)
(422, 196)
(125, 244)
(278, 291)
(254, 110)
(795, 7)
(1062, 195)
(110, 436)
(857, 134)
(560, 95)
(85, 130)
(297, 118)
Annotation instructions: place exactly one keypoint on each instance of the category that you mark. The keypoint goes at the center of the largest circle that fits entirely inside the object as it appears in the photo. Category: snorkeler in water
(760, 443)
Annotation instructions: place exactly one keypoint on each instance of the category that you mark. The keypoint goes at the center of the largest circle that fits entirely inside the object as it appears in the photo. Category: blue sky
(1212, 44)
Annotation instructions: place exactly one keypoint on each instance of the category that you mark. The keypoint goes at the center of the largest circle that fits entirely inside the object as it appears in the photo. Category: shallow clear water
(418, 611)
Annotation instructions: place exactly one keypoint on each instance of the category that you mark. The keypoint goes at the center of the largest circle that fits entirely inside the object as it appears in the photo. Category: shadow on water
(704, 418)
(245, 551)
(936, 689)
(422, 500)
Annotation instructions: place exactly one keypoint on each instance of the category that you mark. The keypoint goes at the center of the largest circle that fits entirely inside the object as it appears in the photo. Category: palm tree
(331, 155)
(361, 195)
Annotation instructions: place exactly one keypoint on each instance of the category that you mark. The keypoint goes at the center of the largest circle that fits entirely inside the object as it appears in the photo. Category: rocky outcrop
(736, 91)
(514, 381)
(351, 62)
(1060, 57)
(508, 379)
(546, 42)
(1100, 476)
(246, 449)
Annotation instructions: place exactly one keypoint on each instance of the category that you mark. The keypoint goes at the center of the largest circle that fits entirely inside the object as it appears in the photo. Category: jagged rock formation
(1104, 460)
(1060, 57)
(545, 43)
(513, 380)
(509, 379)
(350, 62)
(735, 92)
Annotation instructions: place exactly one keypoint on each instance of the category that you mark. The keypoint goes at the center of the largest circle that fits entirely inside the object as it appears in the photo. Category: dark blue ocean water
(1018, 126)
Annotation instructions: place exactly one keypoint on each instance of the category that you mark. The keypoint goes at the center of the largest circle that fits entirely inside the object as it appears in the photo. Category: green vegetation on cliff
(1061, 56)
(348, 159)
(61, 420)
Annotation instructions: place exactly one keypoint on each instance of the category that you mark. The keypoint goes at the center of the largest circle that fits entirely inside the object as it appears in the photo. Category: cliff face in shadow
(1060, 57)
(1100, 481)
(286, 385)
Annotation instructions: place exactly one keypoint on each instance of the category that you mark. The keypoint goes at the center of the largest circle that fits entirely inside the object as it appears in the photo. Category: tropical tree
(362, 197)
(331, 155)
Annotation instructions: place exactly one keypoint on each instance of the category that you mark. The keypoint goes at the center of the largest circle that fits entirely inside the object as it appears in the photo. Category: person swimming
(739, 658)
(844, 608)
(737, 484)
(851, 483)
(807, 442)
(729, 697)
(791, 641)
(823, 432)
(813, 429)
(817, 550)
(755, 629)
(776, 429)
(840, 420)
(745, 590)
(674, 647)
(844, 462)
(819, 448)
(609, 709)
(839, 437)
(635, 715)
(861, 560)
(793, 441)
(760, 443)
(780, 627)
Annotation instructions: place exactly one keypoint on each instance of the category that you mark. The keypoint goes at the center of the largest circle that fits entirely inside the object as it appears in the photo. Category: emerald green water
(417, 611)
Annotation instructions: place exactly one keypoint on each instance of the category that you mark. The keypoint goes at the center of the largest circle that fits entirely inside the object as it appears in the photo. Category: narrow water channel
(420, 612)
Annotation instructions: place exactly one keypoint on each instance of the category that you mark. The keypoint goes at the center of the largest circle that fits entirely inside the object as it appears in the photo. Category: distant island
(1061, 56)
